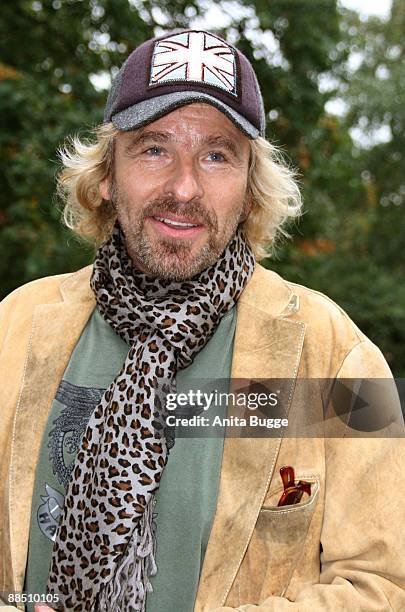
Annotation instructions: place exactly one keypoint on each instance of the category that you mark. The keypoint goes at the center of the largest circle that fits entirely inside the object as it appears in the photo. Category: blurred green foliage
(349, 243)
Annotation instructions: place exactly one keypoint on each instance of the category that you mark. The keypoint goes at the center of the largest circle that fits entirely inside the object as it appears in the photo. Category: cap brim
(145, 112)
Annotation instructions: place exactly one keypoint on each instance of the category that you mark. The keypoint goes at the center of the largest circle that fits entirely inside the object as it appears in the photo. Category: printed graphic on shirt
(66, 436)
(49, 512)
(64, 442)
(194, 56)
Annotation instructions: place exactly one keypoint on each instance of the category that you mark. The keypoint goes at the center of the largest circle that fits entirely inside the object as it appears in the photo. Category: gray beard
(169, 259)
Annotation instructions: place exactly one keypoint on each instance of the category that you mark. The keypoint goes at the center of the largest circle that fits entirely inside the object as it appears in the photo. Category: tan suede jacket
(343, 548)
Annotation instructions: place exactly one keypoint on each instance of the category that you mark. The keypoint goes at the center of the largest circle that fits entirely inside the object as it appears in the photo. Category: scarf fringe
(131, 581)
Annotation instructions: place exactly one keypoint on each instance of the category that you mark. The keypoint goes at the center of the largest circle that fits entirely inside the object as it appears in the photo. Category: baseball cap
(182, 67)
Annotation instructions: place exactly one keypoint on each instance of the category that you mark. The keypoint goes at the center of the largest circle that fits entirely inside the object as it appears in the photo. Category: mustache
(190, 210)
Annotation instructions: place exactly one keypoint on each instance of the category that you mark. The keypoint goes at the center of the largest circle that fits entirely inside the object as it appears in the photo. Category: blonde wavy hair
(272, 187)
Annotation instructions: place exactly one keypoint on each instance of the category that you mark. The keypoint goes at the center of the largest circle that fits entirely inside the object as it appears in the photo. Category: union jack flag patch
(196, 57)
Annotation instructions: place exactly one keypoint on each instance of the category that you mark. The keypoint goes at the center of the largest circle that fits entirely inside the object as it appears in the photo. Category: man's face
(180, 189)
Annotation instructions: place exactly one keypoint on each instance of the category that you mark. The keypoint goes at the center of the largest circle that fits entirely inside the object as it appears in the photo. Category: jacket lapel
(55, 331)
(267, 345)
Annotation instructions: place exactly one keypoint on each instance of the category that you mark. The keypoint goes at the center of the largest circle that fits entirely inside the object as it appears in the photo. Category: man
(182, 193)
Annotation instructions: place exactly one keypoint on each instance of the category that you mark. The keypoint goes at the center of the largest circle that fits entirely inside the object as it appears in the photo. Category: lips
(176, 221)
(176, 226)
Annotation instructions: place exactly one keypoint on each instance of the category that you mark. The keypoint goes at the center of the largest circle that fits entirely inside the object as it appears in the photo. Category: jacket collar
(76, 288)
(266, 345)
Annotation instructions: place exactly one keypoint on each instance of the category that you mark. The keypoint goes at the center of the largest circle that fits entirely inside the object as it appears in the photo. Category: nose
(184, 183)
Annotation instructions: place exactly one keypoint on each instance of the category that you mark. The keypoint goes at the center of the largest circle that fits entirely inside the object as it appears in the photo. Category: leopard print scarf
(103, 555)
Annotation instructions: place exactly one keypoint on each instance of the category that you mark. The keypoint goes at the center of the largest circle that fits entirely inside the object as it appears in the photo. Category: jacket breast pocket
(277, 544)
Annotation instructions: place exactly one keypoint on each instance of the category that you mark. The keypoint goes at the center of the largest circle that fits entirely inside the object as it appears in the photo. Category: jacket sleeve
(16, 314)
(362, 539)
(9, 311)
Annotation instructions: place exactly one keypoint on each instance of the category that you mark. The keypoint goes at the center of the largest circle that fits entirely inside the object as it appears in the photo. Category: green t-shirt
(186, 500)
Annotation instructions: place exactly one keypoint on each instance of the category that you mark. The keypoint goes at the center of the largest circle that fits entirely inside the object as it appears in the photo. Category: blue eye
(154, 151)
(215, 156)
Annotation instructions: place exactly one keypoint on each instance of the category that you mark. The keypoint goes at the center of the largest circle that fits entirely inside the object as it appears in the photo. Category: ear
(104, 188)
